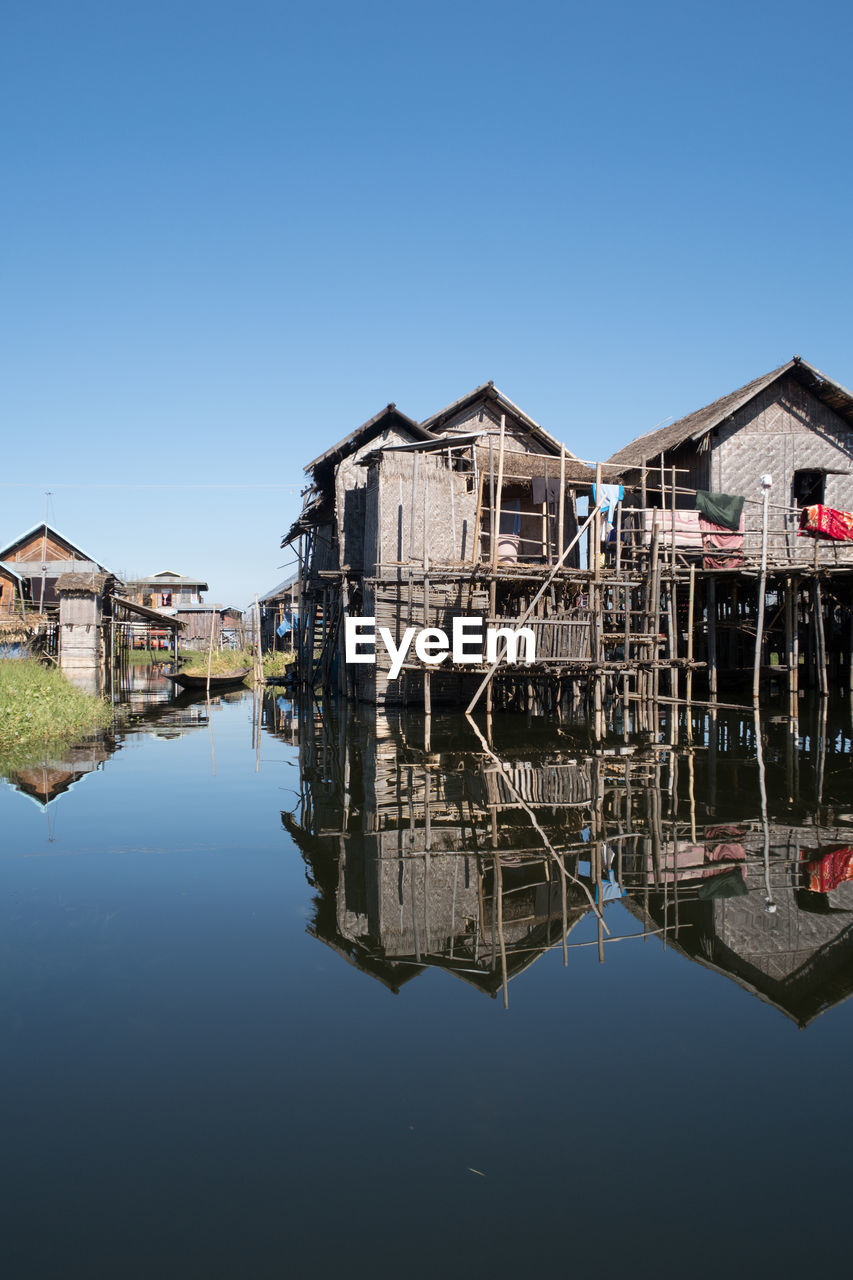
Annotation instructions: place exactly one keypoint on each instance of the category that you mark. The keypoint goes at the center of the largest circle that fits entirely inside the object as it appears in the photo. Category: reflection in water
(735, 847)
(149, 705)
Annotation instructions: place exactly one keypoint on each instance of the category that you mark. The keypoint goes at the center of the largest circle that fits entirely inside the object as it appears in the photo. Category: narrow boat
(217, 681)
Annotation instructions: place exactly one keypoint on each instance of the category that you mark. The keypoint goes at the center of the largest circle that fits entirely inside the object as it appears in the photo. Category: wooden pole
(427, 685)
(492, 529)
(546, 532)
(259, 661)
(820, 638)
(789, 642)
(209, 659)
(850, 651)
(499, 905)
(596, 525)
(476, 555)
(488, 677)
(711, 604)
(691, 597)
(618, 539)
(672, 639)
(498, 495)
(452, 502)
(411, 554)
(561, 509)
(762, 591)
(672, 529)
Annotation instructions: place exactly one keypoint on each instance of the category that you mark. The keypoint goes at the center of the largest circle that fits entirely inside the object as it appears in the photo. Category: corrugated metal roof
(280, 589)
(170, 579)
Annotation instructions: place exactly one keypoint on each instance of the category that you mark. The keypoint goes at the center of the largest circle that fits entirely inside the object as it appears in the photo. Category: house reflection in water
(156, 710)
(479, 862)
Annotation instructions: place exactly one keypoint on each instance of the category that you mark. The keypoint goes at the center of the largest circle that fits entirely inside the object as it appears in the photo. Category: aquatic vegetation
(39, 708)
(225, 660)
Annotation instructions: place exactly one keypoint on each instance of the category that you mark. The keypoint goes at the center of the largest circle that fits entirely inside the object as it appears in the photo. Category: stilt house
(794, 424)
(414, 523)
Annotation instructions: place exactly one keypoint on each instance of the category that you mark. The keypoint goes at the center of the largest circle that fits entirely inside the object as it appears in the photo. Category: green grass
(276, 664)
(39, 709)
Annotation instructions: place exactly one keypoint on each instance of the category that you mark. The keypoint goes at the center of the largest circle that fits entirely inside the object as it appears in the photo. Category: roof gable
(390, 416)
(42, 530)
(490, 396)
(697, 424)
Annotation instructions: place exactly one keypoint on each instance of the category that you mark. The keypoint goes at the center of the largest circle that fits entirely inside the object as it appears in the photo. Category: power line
(292, 486)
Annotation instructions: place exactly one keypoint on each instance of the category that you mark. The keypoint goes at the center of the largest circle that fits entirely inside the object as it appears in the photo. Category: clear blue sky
(233, 231)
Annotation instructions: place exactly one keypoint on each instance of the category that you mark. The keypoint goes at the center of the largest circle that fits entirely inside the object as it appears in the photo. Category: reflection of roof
(794, 959)
(44, 782)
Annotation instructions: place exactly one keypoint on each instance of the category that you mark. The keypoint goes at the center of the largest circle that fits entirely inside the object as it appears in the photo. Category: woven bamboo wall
(350, 505)
(445, 508)
(786, 429)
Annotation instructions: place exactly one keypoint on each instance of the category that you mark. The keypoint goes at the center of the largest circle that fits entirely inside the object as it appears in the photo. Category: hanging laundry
(824, 522)
(721, 508)
(726, 884)
(718, 538)
(545, 491)
(611, 494)
(827, 873)
(687, 533)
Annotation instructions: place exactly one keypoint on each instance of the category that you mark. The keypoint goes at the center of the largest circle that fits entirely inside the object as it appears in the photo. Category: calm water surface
(323, 1001)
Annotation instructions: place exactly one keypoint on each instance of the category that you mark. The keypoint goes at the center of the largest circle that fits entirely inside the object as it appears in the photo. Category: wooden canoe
(217, 681)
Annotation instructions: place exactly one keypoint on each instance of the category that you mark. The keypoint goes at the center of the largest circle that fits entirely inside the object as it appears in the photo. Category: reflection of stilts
(769, 904)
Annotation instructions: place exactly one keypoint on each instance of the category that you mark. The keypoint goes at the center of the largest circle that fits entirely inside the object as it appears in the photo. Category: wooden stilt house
(793, 424)
(775, 592)
(465, 513)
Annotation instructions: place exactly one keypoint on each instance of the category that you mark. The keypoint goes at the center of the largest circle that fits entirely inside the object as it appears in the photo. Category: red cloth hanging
(825, 522)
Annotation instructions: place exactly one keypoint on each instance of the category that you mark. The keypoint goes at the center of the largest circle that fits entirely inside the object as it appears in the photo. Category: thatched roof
(91, 583)
(519, 464)
(488, 393)
(320, 510)
(696, 425)
(16, 626)
(390, 416)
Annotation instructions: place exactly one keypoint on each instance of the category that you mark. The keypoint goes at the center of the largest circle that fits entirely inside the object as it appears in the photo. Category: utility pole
(47, 497)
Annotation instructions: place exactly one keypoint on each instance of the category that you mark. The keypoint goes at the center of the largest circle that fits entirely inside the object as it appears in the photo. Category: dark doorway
(809, 488)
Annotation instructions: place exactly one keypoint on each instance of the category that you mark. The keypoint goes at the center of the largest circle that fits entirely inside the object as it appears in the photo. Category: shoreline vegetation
(223, 661)
(41, 710)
